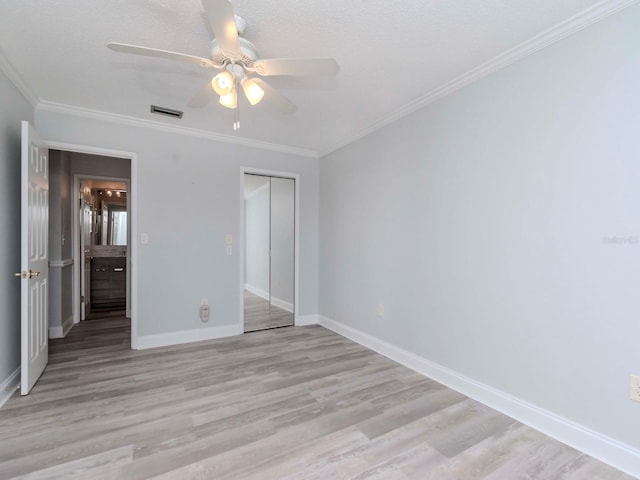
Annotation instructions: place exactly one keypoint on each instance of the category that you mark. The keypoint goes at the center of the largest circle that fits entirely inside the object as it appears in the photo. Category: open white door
(34, 257)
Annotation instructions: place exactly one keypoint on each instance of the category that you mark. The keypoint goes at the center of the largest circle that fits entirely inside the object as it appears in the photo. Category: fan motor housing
(249, 53)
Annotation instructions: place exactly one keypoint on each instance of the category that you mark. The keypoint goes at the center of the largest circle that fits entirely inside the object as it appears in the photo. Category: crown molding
(591, 15)
(65, 109)
(17, 80)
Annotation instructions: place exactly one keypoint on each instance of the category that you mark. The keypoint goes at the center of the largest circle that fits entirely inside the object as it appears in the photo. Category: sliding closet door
(269, 252)
(282, 249)
(257, 235)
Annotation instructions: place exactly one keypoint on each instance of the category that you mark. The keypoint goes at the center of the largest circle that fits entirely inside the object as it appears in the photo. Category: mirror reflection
(110, 216)
(269, 276)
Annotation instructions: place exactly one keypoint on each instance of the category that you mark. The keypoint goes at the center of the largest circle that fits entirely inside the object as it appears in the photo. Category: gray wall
(60, 288)
(186, 259)
(13, 109)
(257, 239)
(100, 166)
(486, 224)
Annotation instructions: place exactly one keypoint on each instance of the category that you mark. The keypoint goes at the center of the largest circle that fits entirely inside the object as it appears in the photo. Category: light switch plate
(144, 238)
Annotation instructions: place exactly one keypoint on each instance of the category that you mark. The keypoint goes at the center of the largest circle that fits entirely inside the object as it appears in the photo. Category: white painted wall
(481, 223)
(186, 259)
(257, 207)
(13, 109)
(282, 241)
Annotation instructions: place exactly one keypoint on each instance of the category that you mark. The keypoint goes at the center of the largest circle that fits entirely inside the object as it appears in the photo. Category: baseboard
(67, 325)
(187, 336)
(304, 320)
(605, 449)
(257, 291)
(288, 306)
(284, 305)
(9, 386)
(61, 331)
(56, 332)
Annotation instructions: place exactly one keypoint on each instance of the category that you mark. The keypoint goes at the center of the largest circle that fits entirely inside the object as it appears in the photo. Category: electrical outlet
(204, 310)
(380, 310)
(634, 387)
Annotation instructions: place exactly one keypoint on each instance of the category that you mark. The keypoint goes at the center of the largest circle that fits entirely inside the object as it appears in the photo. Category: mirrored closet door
(269, 204)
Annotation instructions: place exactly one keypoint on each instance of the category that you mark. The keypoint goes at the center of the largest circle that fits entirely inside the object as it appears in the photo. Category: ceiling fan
(238, 59)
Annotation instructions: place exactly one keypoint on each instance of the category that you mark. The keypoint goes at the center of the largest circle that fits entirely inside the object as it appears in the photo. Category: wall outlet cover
(634, 387)
(204, 313)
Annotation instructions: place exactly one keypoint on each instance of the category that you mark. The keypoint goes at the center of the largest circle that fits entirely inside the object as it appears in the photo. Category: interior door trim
(132, 248)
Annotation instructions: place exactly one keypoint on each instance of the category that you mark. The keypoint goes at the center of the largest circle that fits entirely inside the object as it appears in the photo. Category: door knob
(27, 275)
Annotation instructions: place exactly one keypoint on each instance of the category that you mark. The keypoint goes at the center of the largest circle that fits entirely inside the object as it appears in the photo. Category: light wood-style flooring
(259, 314)
(292, 403)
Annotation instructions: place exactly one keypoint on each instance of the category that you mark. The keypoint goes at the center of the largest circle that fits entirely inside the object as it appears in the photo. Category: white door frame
(75, 244)
(132, 248)
(242, 240)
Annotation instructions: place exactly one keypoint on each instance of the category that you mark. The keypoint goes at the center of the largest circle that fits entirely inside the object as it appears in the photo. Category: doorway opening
(90, 223)
(104, 240)
(269, 276)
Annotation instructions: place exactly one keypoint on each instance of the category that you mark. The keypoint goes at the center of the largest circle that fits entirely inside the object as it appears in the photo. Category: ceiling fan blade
(154, 52)
(223, 24)
(202, 96)
(296, 66)
(275, 98)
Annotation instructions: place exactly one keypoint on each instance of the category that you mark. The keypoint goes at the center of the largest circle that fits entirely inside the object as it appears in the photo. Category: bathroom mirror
(110, 217)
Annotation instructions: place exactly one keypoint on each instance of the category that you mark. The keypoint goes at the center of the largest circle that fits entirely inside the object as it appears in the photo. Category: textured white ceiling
(390, 53)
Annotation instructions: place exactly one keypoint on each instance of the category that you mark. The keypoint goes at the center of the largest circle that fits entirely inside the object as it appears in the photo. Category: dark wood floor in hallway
(290, 403)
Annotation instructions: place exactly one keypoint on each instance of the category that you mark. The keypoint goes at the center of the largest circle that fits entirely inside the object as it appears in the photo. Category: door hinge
(81, 298)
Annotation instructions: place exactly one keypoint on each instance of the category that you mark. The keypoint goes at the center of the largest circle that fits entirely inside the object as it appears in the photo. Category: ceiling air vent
(166, 111)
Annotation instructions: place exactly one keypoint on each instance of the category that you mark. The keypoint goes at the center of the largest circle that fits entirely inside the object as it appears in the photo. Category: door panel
(282, 248)
(34, 257)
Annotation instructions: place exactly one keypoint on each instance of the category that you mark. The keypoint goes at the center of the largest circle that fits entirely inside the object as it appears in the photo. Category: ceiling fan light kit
(252, 91)
(238, 58)
(229, 100)
(222, 83)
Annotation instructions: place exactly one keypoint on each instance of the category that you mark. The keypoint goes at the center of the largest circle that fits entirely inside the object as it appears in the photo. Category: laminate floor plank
(290, 403)
(100, 466)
